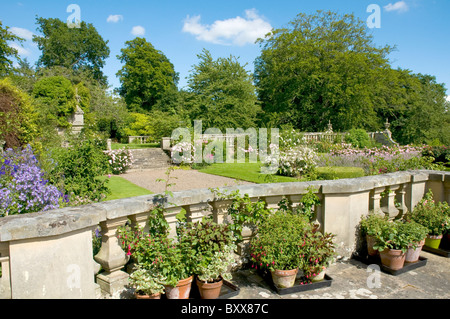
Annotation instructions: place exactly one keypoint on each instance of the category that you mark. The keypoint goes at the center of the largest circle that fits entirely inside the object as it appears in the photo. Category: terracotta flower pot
(209, 290)
(284, 278)
(319, 277)
(393, 258)
(181, 290)
(145, 296)
(433, 241)
(370, 243)
(412, 255)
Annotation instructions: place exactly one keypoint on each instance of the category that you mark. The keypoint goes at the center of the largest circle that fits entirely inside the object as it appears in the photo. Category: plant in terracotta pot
(148, 283)
(212, 249)
(392, 243)
(433, 215)
(277, 247)
(174, 262)
(416, 234)
(319, 252)
(370, 227)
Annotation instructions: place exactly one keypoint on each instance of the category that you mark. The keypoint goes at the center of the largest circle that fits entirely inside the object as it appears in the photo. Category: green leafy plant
(147, 281)
(211, 246)
(319, 252)
(243, 212)
(372, 224)
(415, 232)
(433, 215)
(392, 235)
(279, 242)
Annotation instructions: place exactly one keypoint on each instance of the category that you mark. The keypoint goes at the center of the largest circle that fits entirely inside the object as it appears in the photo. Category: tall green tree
(223, 94)
(147, 75)
(6, 51)
(322, 67)
(74, 48)
(416, 107)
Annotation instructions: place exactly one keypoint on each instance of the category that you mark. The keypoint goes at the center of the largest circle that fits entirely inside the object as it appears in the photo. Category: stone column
(171, 217)
(220, 211)
(401, 198)
(112, 258)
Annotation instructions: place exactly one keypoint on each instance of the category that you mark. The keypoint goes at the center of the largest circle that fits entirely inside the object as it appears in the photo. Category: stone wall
(49, 254)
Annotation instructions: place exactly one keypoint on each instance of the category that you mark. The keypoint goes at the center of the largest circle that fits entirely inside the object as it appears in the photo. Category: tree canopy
(223, 93)
(321, 67)
(6, 51)
(74, 48)
(146, 76)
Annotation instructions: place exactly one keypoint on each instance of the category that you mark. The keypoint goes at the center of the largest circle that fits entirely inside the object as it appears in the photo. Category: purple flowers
(23, 188)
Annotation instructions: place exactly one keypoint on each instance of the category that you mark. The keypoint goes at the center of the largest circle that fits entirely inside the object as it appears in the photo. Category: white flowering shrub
(294, 162)
(120, 160)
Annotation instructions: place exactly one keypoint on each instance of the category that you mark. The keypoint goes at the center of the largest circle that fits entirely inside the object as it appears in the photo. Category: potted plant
(370, 227)
(148, 284)
(416, 234)
(175, 263)
(318, 254)
(432, 215)
(392, 243)
(277, 247)
(212, 249)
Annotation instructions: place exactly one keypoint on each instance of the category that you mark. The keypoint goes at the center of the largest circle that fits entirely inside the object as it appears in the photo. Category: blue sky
(181, 29)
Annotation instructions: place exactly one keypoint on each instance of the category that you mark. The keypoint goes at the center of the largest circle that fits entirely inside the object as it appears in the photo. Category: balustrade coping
(65, 220)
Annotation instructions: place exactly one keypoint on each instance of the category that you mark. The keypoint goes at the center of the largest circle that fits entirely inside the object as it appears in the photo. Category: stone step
(149, 158)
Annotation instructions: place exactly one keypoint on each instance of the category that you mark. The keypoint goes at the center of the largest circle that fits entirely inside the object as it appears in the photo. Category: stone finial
(387, 125)
(330, 127)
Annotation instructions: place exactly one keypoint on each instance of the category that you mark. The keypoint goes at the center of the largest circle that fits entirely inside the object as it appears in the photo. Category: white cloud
(20, 50)
(238, 31)
(114, 18)
(448, 98)
(138, 31)
(399, 6)
(21, 32)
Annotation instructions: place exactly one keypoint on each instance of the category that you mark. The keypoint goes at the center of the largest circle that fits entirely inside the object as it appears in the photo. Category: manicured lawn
(245, 171)
(121, 188)
(116, 146)
(251, 172)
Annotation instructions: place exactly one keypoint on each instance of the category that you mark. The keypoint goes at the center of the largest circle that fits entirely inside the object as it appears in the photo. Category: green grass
(251, 172)
(121, 188)
(116, 146)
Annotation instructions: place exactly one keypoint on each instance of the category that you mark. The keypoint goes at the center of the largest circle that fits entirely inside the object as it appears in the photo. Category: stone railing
(50, 254)
(138, 139)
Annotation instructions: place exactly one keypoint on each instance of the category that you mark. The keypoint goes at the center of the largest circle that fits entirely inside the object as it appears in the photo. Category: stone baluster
(171, 217)
(272, 201)
(112, 258)
(375, 197)
(391, 210)
(140, 220)
(196, 212)
(401, 199)
(220, 211)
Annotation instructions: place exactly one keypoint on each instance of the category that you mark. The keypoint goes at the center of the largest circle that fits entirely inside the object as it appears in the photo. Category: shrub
(441, 154)
(278, 244)
(434, 216)
(119, 160)
(23, 188)
(77, 169)
(358, 138)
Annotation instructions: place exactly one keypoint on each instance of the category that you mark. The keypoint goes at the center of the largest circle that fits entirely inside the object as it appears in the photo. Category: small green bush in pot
(319, 252)
(277, 247)
(147, 283)
(370, 227)
(433, 215)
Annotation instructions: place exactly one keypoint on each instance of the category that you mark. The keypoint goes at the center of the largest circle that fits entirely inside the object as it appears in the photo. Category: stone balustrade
(50, 254)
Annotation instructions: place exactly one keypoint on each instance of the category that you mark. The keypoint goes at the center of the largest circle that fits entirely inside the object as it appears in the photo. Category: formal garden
(47, 164)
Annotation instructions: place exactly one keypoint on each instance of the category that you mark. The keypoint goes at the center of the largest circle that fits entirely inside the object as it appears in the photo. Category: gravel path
(182, 180)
